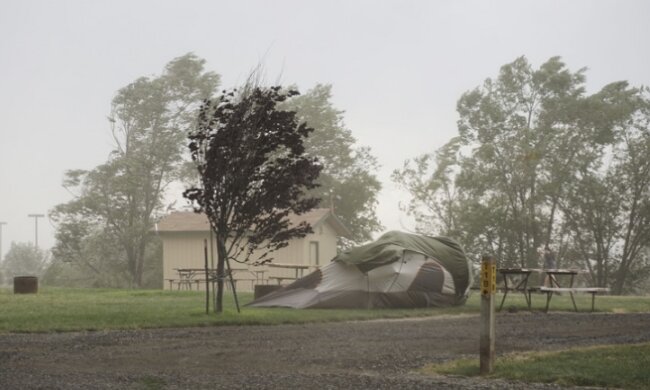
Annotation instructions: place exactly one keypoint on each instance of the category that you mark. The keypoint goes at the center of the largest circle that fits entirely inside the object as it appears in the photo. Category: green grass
(59, 309)
(620, 366)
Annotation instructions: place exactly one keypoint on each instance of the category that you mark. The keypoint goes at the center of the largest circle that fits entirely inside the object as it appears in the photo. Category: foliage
(616, 366)
(254, 173)
(347, 182)
(22, 259)
(105, 231)
(534, 164)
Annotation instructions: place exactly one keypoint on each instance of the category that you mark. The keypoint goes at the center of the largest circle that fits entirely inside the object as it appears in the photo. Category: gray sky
(397, 69)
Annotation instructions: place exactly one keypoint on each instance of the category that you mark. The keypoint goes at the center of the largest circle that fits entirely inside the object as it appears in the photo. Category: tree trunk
(139, 266)
(221, 260)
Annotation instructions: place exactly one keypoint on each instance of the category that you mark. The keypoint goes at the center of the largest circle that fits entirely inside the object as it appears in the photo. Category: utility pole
(36, 217)
(1, 223)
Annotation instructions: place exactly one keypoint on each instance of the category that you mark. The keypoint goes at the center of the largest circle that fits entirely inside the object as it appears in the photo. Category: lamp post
(1, 224)
(36, 217)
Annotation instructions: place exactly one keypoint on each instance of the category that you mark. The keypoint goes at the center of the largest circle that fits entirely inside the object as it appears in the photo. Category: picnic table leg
(573, 300)
(549, 295)
(553, 280)
(571, 285)
(505, 291)
(524, 288)
(593, 300)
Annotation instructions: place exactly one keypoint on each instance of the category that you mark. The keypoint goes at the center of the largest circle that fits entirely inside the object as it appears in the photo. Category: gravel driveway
(381, 354)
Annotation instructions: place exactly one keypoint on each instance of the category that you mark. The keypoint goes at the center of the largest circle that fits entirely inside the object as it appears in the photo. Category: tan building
(183, 235)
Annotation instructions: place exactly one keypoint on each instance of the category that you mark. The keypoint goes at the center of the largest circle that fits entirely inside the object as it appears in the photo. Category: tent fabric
(391, 246)
(397, 271)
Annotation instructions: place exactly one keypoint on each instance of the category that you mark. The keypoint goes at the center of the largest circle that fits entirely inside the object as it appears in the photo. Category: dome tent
(399, 270)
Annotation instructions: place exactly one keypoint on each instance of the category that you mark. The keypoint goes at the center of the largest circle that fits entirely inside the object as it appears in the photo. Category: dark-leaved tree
(254, 173)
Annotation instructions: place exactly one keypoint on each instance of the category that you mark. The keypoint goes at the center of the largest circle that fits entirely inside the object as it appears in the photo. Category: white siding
(186, 250)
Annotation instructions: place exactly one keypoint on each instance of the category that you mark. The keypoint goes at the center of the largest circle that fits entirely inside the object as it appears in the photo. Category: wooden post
(207, 277)
(232, 284)
(488, 290)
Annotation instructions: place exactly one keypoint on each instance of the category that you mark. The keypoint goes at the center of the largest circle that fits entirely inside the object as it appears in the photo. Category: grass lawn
(60, 309)
(619, 366)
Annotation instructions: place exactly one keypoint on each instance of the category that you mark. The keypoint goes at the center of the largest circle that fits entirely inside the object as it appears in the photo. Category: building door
(313, 253)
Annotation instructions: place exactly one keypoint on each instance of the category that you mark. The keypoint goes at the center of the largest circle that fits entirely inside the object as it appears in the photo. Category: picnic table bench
(280, 279)
(183, 284)
(550, 291)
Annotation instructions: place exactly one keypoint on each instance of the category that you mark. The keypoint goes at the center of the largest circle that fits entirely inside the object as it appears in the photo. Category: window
(313, 253)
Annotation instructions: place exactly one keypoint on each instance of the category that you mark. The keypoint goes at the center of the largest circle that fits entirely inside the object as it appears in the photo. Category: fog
(397, 69)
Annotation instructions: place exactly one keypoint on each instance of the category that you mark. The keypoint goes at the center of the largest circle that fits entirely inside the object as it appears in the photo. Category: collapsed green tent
(398, 270)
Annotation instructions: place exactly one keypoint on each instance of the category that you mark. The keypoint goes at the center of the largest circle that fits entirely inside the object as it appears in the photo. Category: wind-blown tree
(347, 182)
(254, 173)
(120, 199)
(523, 138)
(608, 212)
(632, 173)
(429, 178)
(510, 131)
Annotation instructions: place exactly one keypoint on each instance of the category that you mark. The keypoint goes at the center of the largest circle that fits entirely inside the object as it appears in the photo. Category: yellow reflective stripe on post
(488, 278)
(494, 278)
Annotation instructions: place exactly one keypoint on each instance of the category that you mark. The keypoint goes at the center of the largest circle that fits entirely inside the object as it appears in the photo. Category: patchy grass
(619, 366)
(60, 309)
(150, 383)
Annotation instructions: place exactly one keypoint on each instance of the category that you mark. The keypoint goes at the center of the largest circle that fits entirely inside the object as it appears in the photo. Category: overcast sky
(397, 69)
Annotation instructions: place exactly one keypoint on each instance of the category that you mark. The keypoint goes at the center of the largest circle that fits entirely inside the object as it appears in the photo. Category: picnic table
(555, 286)
(186, 277)
(298, 268)
(189, 276)
(516, 280)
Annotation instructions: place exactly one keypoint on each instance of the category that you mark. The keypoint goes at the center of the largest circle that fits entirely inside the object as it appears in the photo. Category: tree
(23, 259)
(608, 211)
(429, 178)
(536, 161)
(120, 199)
(347, 182)
(254, 173)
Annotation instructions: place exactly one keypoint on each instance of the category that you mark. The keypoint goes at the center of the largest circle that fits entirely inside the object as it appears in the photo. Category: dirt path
(372, 355)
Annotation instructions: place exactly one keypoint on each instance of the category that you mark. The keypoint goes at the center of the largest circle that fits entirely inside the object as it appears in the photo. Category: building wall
(185, 250)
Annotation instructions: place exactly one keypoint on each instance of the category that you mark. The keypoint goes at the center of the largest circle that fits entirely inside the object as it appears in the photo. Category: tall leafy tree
(632, 173)
(254, 173)
(539, 161)
(347, 182)
(608, 211)
(121, 198)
